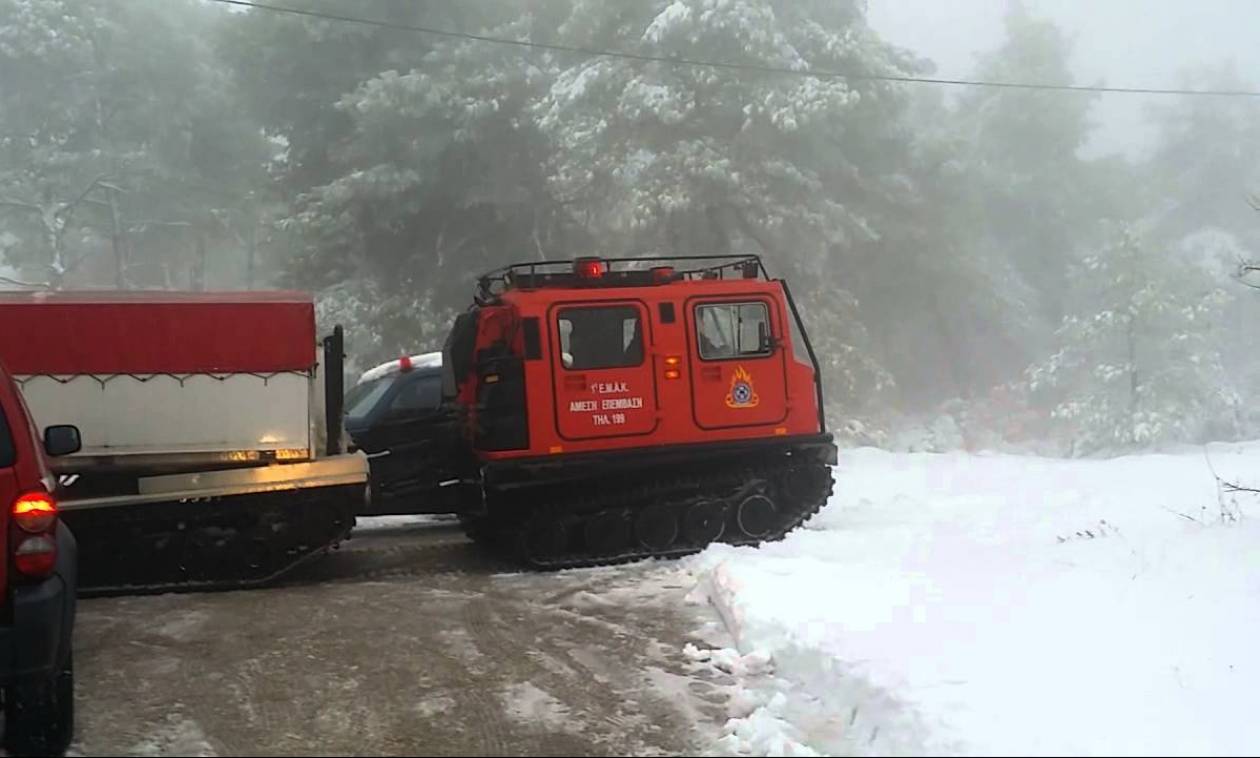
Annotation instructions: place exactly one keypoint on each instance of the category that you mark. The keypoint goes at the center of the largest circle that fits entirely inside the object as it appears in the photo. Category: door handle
(575, 381)
(711, 373)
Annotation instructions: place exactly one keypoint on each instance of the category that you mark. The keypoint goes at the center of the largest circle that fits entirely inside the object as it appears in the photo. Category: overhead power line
(753, 67)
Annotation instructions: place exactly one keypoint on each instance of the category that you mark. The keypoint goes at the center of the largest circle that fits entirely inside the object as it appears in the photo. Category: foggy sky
(1140, 43)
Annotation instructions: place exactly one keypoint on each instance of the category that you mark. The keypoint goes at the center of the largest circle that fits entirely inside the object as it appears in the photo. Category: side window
(417, 397)
(601, 337)
(732, 330)
(7, 453)
(798, 343)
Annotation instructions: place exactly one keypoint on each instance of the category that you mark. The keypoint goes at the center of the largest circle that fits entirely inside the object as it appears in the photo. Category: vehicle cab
(618, 355)
(38, 583)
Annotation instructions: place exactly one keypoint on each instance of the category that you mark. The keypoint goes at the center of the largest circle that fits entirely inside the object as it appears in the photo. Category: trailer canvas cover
(166, 372)
(69, 333)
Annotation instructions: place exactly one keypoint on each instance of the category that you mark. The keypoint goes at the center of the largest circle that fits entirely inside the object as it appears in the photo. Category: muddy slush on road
(408, 640)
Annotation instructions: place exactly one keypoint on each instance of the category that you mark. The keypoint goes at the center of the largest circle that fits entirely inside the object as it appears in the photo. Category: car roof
(430, 362)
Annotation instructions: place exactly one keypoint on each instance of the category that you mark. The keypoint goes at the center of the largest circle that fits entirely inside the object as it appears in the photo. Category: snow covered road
(1001, 604)
(407, 641)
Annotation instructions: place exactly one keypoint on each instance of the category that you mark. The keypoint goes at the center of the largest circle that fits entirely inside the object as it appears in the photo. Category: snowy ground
(939, 604)
(1000, 604)
(370, 524)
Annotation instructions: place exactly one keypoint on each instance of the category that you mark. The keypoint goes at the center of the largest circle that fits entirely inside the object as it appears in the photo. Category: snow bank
(1003, 604)
(396, 523)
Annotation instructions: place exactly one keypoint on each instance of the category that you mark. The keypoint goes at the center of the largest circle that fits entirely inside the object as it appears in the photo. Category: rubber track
(219, 544)
(573, 508)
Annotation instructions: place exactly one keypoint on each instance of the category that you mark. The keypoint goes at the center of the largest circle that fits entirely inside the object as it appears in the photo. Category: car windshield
(7, 453)
(362, 398)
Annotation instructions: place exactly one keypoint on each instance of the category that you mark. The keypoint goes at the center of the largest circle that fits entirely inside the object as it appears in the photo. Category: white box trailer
(211, 428)
(204, 417)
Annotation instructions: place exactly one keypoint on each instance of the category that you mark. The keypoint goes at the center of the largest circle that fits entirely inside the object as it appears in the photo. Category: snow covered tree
(678, 159)
(437, 178)
(412, 162)
(1206, 160)
(1249, 266)
(116, 129)
(944, 308)
(656, 158)
(47, 172)
(1203, 176)
(1037, 200)
(1225, 249)
(1139, 356)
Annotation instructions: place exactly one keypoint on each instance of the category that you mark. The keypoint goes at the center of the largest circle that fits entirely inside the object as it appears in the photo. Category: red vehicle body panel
(68, 333)
(29, 471)
(574, 411)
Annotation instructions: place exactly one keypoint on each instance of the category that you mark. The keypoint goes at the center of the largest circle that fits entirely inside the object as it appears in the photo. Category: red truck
(37, 584)
(212, 452)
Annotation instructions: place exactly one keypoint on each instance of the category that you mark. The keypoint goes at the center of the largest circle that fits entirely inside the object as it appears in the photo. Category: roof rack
(595, 272)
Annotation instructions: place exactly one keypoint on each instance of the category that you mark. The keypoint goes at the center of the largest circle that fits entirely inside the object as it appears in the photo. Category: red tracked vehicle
(620, 409)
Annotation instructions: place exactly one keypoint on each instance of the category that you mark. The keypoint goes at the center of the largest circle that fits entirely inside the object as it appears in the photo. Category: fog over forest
(979, 267)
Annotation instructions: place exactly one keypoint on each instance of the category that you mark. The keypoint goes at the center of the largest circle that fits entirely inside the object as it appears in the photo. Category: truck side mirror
(62, 440)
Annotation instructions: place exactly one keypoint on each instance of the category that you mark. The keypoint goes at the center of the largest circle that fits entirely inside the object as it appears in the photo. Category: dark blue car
(396, 414)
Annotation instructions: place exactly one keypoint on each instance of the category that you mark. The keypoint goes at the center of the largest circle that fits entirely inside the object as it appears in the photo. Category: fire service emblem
(742, 394)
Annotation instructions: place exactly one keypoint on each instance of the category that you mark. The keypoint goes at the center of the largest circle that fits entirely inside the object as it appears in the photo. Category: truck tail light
(35, 551)
(35, 512)
(672, 362)
(36, 555)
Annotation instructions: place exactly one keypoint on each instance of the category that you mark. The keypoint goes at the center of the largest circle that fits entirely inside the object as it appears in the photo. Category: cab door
(738, 373)
(602, 371)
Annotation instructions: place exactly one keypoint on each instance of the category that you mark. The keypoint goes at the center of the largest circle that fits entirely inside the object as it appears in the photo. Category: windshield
(362, 398)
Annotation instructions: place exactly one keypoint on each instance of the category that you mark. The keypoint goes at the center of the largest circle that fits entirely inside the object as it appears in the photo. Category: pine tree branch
(1245, 269)
(1223, 488)
(19, 283)
(146, 225)
(18, 204)
(1231, 487)
(68, 208)
(1185, 516)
